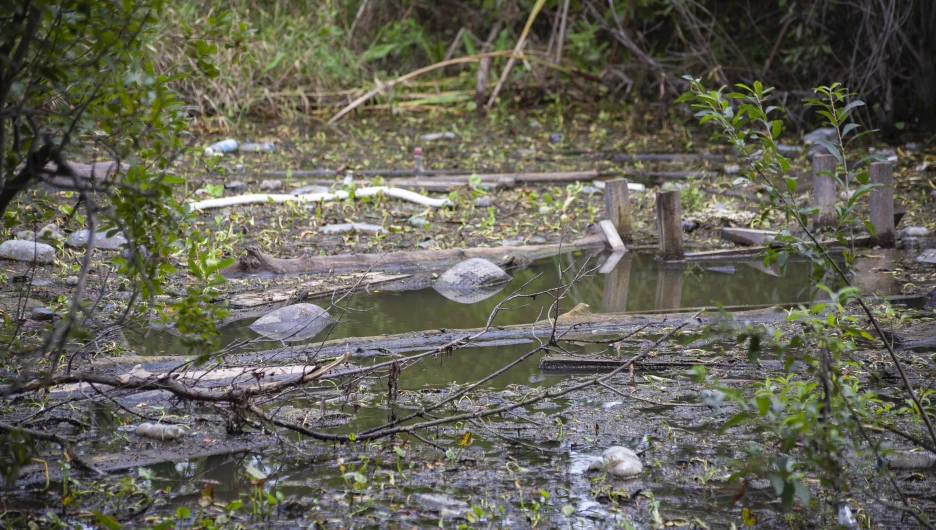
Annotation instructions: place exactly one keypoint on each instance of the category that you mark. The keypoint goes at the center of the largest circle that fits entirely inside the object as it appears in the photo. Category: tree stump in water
(669, 220)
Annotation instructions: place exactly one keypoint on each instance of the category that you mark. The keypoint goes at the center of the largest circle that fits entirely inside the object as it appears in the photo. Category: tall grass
(275, 58)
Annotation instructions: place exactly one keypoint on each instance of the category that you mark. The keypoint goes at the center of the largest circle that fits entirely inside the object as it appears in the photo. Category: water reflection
(637, 282)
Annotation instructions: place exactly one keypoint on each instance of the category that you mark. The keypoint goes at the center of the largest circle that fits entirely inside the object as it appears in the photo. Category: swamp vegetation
(788, 384)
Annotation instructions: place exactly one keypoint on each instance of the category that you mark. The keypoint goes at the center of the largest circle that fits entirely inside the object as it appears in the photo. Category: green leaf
(378, 51)
(791, 184)
(255, 473)
(871, 228)
(735, 420)
(763, 404)
(833, 148)
(107, 521)
(272, 64)
(801, 491)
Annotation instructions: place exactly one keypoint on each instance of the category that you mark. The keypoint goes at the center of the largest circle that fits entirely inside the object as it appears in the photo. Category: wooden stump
(824, 191)
(882, 204)
(617, 207)
(669, 219)
(484, 68)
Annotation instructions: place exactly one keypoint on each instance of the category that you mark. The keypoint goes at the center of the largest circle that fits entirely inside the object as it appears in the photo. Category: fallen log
(747, 252)
(603, 363)
(314, 289)
(662, 157)
(577, 323)
(203, 447)
(453, 177)
(256, 262)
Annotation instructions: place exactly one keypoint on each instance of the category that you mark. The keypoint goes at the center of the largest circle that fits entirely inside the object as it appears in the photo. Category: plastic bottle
(418, 160)
(250, 147)
(224, 146)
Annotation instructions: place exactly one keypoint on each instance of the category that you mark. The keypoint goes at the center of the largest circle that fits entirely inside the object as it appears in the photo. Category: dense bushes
(284, 56)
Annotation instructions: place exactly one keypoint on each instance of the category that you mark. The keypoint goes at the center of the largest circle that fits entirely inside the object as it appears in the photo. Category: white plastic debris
(618, 461)
(138, 372)
(846, 518)
(159, 431)
(261, 198)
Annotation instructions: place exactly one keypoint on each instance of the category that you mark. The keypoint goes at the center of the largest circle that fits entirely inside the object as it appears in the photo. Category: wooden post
(616, 286)
(484, 68)
(824, 191)
(618, 207)
(669, 285)
(669, 225)
(882, 203)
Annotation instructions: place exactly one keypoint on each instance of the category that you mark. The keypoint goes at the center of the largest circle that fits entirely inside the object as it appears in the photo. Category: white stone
(30, 251)
(915, 231)
(271, 185)
(50, 231)
(618, 461)
(79, 239)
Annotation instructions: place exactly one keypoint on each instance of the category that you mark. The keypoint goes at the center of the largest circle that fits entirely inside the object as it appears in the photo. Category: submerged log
(203, 447)
(576, 322)
(256, 262)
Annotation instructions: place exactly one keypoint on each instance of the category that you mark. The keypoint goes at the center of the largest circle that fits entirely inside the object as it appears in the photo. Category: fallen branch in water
(256, 262)
(65, 443)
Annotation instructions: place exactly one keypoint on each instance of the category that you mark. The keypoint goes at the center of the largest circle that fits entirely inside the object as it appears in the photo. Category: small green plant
(691, 197)
(817, 417)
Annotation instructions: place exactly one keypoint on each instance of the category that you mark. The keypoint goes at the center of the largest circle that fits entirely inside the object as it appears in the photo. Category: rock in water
(293, 323)
(618, 461)
(79, 239)
(471, 281)
(21, 250)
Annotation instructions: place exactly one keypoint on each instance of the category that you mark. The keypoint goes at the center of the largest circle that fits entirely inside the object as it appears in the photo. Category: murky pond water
(638, 283)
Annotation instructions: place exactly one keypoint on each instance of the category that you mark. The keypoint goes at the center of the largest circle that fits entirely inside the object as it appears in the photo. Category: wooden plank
(748, 236)
(610, 235)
